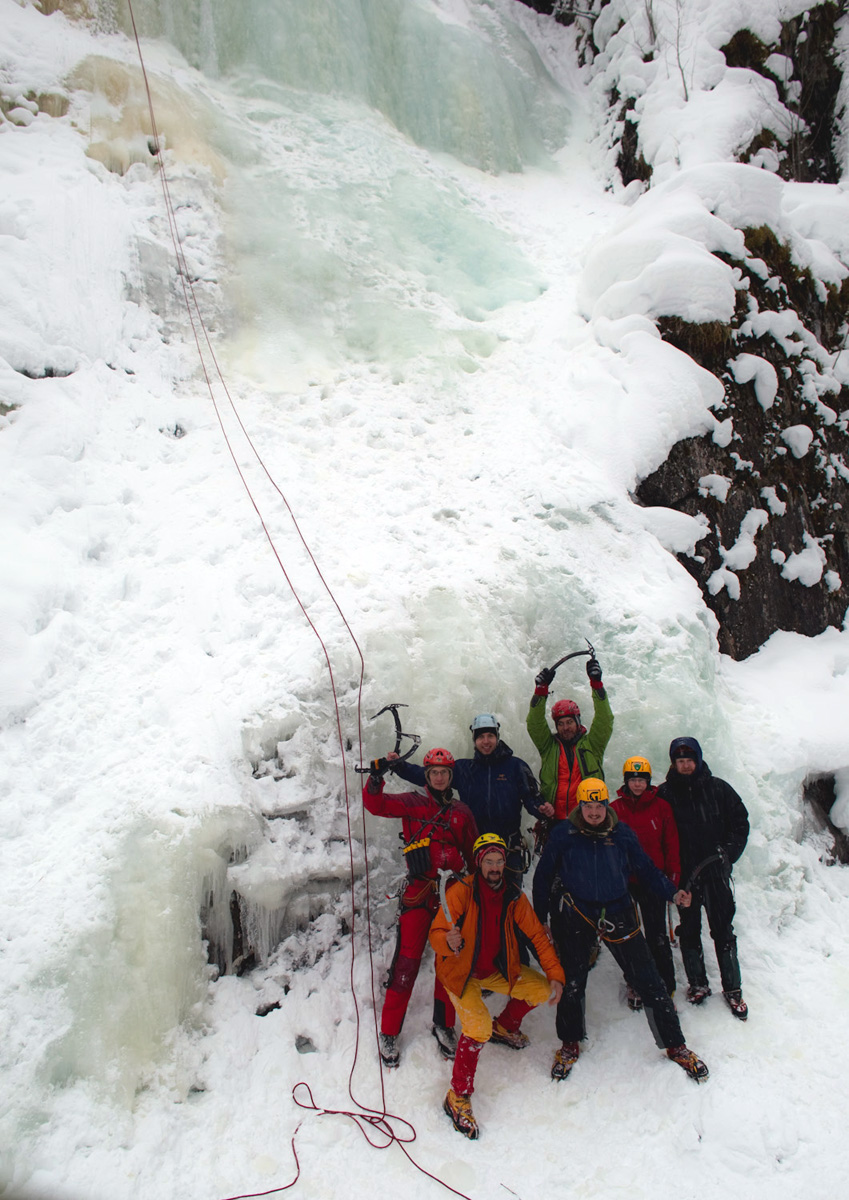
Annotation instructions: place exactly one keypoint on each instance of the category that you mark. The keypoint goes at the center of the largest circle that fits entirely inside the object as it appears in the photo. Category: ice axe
(383, 764)
(590, 653)
(445, 877)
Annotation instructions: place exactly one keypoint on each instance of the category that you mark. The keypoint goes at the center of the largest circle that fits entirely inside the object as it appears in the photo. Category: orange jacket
(454, 970)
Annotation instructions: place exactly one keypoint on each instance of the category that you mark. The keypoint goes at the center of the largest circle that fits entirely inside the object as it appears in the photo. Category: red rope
(368, 1120)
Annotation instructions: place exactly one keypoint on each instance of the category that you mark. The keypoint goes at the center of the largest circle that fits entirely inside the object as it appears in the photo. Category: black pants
(575, 938)
(712, 891)
(653, 914)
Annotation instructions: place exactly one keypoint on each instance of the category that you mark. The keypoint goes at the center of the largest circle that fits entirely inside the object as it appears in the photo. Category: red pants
(413, 928)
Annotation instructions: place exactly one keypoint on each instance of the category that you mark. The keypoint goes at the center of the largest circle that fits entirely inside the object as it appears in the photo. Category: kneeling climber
(477, 950)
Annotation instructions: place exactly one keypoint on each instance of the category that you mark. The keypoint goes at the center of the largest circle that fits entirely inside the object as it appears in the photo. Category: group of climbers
(604, 867)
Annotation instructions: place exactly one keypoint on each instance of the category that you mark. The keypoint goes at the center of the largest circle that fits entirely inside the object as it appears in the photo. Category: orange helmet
(438, 758)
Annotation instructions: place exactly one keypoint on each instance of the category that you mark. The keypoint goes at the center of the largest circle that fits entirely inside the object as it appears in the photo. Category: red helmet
(438, 758)
(565, 708)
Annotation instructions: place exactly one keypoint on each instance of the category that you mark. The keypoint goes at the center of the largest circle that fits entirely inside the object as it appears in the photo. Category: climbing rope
(389, 1128)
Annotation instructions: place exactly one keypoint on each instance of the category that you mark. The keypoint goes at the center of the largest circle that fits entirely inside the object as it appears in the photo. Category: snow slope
(454, 377)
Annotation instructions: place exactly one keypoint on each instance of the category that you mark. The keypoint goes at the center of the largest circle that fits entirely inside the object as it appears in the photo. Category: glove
(545, 677)
(379, 767)
(594, 670)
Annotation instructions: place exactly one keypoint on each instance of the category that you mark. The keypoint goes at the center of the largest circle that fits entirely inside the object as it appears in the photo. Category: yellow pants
(475, 1019)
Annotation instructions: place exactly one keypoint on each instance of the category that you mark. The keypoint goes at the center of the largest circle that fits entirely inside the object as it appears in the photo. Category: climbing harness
(417, 851)
(603, 927)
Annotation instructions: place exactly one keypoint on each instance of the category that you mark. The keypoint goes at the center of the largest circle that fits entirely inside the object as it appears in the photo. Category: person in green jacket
(571, 754)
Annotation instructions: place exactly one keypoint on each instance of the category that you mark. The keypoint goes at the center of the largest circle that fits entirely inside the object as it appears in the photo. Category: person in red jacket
(477, 951)
(638, 804)
(438, 832)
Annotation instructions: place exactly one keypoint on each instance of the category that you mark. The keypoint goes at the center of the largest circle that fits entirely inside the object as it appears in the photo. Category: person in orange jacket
(477, 950)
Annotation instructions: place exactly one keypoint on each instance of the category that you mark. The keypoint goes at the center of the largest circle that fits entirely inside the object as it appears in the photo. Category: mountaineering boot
(737, 1004)
(687, 1060)
(515, 1039)
(459, 1109)
(697, 993)
(634, 1002)
(446, 1039)
(564, 1060)
(390, 1054)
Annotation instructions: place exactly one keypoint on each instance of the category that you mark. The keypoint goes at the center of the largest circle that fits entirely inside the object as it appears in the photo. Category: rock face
(787, 507)
(776, 496)
(772, 484)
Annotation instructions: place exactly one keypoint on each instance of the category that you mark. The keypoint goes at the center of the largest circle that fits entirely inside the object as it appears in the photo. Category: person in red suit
(638, 804)
(439, 832)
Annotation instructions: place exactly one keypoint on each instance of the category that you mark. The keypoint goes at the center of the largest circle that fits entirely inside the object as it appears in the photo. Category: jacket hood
(610, 822)
(702, 771)
(443, 799)
(688, 743)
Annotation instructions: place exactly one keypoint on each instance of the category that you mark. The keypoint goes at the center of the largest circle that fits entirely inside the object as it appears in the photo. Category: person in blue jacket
(593, 855)
(495, 785)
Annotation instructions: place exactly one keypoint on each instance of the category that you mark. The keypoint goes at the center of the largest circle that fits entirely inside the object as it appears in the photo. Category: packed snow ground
(454, 378)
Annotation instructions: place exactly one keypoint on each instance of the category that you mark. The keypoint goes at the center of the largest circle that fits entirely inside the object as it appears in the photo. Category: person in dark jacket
(495, 784)
(477, 951)
(713, 828)
(438, 832)
(638, 804)
(593, 855)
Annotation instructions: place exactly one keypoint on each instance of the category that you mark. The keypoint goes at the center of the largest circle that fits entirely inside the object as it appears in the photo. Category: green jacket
(589, 747)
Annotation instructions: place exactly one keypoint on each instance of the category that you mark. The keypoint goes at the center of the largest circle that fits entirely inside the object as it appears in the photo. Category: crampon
(459, 1109)
(689, 1062)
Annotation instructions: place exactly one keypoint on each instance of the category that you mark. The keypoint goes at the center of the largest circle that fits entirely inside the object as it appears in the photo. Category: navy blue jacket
(494, 786)
(595, 868)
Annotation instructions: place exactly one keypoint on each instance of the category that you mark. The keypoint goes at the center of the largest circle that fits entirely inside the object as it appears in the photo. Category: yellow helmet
(487, 842)
(593, 791)
(637, 765)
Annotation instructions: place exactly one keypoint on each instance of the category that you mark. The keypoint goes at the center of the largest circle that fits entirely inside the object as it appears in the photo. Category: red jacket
(652, 821)
(452, 835)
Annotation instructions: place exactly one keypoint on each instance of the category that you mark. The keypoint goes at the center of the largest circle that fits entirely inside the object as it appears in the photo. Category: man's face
(486, 741)
(567, 727)
(637, 785)
(685, 766)
(492, 868)
(594, 812)
(439, 778)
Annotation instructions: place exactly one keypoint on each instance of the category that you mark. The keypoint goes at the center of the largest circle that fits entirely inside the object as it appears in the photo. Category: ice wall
(453, 76)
